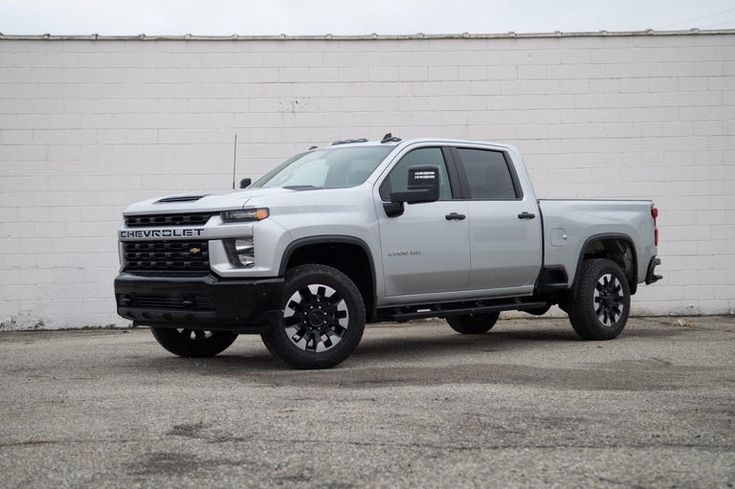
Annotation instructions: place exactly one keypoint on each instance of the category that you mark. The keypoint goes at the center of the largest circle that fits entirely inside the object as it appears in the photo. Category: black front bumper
(242, 306)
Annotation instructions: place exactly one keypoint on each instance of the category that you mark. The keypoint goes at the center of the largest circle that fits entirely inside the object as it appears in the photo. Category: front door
(426, 249)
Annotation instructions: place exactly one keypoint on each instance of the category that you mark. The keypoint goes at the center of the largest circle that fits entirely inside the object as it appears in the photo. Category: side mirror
(245, 182)
(423, 186)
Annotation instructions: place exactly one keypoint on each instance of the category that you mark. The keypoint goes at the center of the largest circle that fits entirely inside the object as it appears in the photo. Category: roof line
(366, 37)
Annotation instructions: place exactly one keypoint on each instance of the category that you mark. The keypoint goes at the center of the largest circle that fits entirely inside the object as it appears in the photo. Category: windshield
(326, 168)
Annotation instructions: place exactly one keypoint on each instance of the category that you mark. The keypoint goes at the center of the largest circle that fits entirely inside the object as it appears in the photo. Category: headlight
(243, 215)
(241, 252)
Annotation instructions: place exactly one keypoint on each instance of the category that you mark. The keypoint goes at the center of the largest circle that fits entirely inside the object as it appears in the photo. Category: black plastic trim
(168, 219)
(244, 306)
(394, 209)
(181, 198)
(448, 309)
(651, 276)
(350, 141)
(601, 236)
(545, 284)
(455, 182)
(543, 236)
(166, 256)
(328, 239)
(390, 138)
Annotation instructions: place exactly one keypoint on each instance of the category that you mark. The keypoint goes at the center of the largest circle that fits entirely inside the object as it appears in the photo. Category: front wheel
(600, 309)
(323, 318)
(188, 342)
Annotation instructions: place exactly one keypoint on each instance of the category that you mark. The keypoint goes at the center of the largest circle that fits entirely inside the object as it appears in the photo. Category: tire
(473, 323)
(538, 312)
(602, 302)
(193, 343)
(323, 318)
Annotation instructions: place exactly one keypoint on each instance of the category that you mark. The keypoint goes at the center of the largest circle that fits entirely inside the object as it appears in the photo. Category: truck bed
(569, 224)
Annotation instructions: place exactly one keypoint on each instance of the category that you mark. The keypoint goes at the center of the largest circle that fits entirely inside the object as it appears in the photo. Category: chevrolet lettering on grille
(160, 233)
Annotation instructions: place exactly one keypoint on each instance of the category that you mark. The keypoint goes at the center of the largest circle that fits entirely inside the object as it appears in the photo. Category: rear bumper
(651, 276)
(242, 306)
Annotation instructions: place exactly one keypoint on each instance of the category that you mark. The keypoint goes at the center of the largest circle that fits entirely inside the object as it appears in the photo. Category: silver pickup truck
(389, 230)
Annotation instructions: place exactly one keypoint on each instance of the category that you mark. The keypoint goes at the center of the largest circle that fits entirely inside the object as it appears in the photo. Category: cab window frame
(467, 194)
(455, 185)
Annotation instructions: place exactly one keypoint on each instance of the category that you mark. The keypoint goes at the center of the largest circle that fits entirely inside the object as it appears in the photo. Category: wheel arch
(334, 251)
(613, 246)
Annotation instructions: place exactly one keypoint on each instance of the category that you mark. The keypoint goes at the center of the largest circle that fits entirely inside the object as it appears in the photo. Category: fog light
(245, 252)
(244, 246)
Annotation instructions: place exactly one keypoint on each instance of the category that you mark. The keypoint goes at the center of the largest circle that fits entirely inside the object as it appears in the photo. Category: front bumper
(209, 302)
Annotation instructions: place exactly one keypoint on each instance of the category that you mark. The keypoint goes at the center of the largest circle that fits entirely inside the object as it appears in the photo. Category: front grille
(191, 219)
(190, 256)
(195, 303)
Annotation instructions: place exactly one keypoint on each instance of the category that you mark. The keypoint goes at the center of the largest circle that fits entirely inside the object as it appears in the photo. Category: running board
(445, 310)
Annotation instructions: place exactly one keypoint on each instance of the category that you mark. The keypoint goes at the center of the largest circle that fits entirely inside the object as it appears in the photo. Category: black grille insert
(166, 255)
(194, 303)
(191, 219)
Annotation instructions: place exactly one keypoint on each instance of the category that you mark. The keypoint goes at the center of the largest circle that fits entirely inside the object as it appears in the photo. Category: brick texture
(89, 126)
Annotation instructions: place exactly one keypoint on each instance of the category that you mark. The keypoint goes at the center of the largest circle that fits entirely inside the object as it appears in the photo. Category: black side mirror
(245, 183)
(423, 186)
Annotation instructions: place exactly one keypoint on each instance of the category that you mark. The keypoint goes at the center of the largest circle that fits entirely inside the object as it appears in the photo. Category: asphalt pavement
(417, 405)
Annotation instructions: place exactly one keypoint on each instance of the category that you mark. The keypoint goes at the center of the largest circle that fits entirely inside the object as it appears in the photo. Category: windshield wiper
(302, 187)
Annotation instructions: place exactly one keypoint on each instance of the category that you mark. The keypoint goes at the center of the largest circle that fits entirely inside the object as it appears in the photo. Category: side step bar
(445, 310)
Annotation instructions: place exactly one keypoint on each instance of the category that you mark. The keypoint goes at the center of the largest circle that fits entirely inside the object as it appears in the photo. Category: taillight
(654, 215)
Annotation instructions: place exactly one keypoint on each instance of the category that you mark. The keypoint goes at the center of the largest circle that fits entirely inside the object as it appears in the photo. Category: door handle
(526, 215)
(454, 217)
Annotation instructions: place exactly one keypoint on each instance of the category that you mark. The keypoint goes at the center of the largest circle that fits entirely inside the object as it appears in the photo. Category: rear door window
(488, 174)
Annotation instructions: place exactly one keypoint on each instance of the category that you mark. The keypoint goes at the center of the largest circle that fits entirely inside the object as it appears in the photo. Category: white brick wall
(89, 126)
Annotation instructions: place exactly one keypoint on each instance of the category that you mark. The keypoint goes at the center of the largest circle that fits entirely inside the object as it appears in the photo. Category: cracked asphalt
(527, 405)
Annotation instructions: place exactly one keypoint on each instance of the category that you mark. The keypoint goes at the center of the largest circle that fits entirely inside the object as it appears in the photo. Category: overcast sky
(225, 17)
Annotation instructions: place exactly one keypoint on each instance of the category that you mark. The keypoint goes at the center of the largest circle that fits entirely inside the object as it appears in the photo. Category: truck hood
(201, 202)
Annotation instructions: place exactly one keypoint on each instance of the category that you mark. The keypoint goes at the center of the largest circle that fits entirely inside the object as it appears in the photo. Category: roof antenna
(234, 162)
(390, 138)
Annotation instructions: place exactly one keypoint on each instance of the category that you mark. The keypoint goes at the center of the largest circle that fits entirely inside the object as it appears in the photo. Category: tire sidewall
(277, 340)
(584, 318)
(473, 323)
(173, 341)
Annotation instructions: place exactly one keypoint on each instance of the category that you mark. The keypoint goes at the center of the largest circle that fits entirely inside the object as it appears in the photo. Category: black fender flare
(601, 236)
(330, 239)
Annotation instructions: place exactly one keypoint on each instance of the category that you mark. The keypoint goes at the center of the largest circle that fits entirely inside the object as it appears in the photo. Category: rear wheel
(473, 323)
(188, 342)
(323, 318)
(602, 303)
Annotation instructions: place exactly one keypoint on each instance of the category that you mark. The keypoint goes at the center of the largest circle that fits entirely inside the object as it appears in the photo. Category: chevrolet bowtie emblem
(194, 251)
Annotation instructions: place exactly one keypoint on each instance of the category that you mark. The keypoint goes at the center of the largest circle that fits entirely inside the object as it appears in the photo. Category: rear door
(426, 249)
(505, 228)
